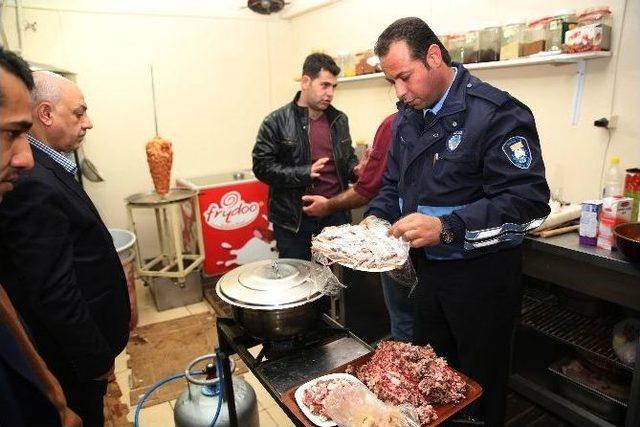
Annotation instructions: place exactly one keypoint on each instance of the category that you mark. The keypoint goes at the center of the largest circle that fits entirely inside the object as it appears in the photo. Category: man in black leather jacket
(304, 148)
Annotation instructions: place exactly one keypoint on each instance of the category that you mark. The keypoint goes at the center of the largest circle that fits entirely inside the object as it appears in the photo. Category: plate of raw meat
(310, 396)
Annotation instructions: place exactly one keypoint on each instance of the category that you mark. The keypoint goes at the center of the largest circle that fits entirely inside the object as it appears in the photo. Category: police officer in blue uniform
(465, 181)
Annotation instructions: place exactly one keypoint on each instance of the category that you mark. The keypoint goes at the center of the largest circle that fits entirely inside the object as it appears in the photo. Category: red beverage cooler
(233, 213)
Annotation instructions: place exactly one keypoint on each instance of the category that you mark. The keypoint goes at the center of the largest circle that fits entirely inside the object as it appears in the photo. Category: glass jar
(339, 60)
(456, 44)
(490, 44)
(471, 50)
(559, 24)
(349, 65)
(534, 36)
(511, 40)
(592, 33)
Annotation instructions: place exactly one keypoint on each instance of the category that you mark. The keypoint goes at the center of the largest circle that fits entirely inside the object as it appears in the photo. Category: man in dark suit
(29, 393)
(59, 265)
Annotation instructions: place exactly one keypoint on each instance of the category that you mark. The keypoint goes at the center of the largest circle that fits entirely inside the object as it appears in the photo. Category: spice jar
(456, 44)
(534, 36)
(593, 32)
(472, 47)
(490, 44)
(511, 40)
(559, 24)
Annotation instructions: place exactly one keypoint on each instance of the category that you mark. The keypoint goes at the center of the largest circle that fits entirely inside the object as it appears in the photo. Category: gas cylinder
(196, 406)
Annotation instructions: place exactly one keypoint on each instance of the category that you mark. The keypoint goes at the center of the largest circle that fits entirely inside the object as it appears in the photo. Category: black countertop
(567, 245)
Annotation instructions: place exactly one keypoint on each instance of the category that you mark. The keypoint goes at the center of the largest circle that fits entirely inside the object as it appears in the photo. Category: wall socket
(607, 123)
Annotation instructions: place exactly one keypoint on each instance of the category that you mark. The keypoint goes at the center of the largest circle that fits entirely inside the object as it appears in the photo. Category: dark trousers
(465, 309)
(298, 245)
(86, 400)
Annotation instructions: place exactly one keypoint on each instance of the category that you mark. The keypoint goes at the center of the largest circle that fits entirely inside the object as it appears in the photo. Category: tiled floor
(161, 415)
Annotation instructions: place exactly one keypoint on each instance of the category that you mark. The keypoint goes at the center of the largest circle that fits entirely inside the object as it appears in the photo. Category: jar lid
(269, 285)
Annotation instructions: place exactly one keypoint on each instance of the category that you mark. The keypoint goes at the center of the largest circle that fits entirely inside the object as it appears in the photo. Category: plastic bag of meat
(324, 280)
(356, 406)
(405, 275)
(365, 247)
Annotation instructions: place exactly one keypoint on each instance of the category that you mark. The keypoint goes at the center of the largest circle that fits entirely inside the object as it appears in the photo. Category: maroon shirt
(370, 178)
(327, 183)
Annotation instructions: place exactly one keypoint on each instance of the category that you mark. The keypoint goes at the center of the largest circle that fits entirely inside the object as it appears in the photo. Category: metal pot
(273, 299)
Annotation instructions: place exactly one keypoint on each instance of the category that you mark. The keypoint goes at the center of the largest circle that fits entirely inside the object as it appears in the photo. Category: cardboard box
(615, 210)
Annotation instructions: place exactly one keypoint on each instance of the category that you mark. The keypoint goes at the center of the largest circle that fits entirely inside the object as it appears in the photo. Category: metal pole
(153, 95)
(227, 383)
(177, 235)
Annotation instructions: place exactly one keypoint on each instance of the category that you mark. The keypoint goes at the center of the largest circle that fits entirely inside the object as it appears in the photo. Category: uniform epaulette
(486, 91)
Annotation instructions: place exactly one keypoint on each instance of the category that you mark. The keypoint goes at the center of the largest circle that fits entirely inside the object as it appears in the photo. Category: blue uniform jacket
(479, 160)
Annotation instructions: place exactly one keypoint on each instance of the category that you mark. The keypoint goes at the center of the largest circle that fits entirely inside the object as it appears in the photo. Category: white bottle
(613, 179)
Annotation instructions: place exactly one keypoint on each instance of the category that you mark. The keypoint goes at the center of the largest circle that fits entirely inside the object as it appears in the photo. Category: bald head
(48, 86)
(60, 112)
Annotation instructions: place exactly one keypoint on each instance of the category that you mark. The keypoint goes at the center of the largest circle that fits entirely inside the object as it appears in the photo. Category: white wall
(218, 72)
(573, 154)
(220, 69)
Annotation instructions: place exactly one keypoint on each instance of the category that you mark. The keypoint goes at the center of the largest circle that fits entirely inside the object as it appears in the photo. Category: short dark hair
(416, 33)
(317, 62)
(14, 64)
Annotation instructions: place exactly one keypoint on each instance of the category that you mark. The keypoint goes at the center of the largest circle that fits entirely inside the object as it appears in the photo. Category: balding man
(59, 265)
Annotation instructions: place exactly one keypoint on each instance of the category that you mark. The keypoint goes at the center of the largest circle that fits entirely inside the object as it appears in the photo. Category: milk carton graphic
(233, 213)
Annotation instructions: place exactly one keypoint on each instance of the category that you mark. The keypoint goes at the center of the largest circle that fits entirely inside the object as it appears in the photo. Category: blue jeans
(298, 245)
(400, 308)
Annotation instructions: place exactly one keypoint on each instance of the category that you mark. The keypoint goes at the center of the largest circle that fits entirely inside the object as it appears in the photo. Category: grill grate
(590, 335)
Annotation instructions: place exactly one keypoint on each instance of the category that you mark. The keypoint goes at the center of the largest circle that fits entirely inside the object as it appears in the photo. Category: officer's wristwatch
(446, 235)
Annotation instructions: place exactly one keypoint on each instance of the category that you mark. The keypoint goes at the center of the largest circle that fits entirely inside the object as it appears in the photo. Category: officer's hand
(418, 229)
(368, 221)
(317, 166)
(315, 205)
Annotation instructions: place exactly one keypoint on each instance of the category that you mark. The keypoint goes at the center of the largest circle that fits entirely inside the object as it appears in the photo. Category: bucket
(123, 240)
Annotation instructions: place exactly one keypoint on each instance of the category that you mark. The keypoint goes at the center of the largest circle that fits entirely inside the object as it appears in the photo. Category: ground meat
(404, 373)
(315, 395)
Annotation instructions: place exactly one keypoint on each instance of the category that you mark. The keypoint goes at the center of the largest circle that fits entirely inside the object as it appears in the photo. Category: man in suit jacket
(61, 269)
(29, 393)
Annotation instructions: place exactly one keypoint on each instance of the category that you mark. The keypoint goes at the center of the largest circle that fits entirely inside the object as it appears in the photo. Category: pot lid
(269, 284)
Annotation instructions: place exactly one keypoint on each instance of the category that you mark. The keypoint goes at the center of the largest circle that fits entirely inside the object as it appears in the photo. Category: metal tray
(605, 406)
(474, 391)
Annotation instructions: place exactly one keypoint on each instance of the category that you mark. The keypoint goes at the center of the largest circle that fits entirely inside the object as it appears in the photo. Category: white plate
(299, 394)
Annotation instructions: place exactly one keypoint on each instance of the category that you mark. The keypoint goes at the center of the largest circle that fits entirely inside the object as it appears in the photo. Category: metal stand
(331, 347)
(179, 236)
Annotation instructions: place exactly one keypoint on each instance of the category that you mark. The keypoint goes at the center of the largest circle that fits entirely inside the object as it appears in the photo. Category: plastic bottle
(613, 179)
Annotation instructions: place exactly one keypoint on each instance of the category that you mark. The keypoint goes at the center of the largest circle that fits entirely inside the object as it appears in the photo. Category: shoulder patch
(517, 151)
(486, 91)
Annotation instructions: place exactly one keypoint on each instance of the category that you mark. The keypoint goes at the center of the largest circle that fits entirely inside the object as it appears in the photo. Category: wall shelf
(559, 59)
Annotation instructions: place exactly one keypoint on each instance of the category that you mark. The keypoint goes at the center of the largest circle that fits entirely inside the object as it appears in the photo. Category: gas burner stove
(281, 365)
(272, 350)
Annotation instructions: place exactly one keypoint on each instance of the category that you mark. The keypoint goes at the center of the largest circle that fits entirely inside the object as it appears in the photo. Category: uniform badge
(517, 150)
(454, 140)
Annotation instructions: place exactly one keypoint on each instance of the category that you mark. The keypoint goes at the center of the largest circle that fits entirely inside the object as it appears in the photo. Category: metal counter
(593, 271)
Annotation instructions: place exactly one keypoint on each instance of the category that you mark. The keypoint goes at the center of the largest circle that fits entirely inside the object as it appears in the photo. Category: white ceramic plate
(299, 394)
